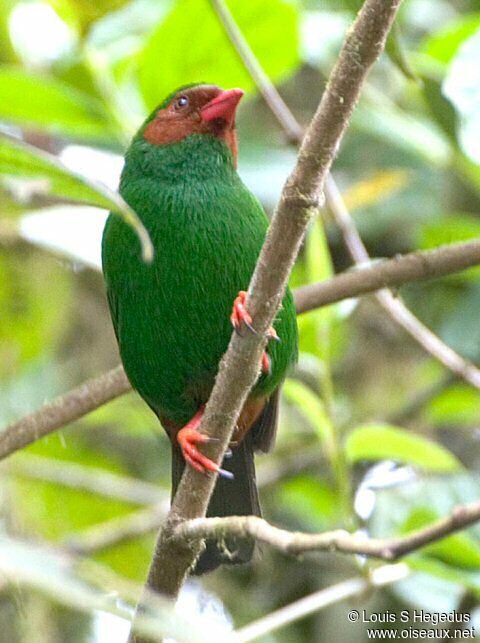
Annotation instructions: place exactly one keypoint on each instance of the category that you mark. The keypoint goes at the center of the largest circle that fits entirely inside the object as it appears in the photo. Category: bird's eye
(181, 102)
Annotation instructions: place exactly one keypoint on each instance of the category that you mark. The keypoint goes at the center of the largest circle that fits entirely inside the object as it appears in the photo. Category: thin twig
(395, 308)
(380, 577)
(296, 543)
(93, 479)
(287, 120)
(353, 283)
(88, 587)
(124, 528)
(239, 367)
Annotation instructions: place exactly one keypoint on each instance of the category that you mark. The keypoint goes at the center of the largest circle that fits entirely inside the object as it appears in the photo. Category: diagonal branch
(296, 543)
(366, 279)
(298, 203)
(270, 93)
(394, 307)
(379, 577)
(124, 528)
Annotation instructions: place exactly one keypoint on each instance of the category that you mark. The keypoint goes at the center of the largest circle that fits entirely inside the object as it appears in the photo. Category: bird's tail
(237, 497)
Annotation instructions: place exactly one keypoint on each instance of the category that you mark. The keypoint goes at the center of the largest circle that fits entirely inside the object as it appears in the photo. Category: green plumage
(171, 317)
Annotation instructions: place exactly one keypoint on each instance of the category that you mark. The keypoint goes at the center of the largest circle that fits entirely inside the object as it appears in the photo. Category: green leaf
(452, 227)
(270, 27)
(312, 502)
(402, 129)
(461, 87)
(318, 261)
(385, 442)
(460, 328)
(431, 567)
(468, 170)
(316, 326)
(310, 405)
(38, 501)
(457, 226)
(459, 404)
(40, 101)
(396, 52)
(7, 52)
(440, 107)
(394, 504)
(80, 14)
(32, 324)
(444, 44)
(18, 159)
(458, 550)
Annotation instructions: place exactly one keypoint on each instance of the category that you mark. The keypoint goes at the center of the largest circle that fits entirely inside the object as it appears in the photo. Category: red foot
(266, 363)
(240, 316)
(188, 438)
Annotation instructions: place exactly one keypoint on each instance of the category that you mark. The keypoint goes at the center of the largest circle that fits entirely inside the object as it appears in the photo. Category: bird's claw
(272, 335)
(188, 438)
(241, 317)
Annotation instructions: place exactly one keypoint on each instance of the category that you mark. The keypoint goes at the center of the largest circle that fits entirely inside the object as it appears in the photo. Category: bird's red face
(204, 109)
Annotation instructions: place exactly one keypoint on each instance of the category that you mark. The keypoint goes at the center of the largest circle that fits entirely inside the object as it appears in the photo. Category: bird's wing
(265, 428)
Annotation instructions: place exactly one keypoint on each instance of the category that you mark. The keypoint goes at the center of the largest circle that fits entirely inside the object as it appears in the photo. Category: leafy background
(374, 434)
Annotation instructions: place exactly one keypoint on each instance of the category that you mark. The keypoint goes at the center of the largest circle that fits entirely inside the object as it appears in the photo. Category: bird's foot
(188, 438)
(241, 317)
(266, 366)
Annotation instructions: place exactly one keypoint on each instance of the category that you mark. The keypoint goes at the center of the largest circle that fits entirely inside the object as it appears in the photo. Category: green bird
(173, 317)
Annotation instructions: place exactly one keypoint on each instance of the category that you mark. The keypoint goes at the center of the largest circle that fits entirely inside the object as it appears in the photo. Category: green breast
(171, 317)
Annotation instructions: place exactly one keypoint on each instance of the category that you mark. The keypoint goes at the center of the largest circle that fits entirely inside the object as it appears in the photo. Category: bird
(173, 317)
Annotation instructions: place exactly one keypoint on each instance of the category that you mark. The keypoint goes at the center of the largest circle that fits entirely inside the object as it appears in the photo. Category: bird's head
(195, 109)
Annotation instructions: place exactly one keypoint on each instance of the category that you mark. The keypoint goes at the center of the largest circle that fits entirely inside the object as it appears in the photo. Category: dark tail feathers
(237, 497)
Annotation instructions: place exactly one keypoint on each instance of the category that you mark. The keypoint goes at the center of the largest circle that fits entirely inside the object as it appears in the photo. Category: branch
(393, 273)
(296, 543)
(299, 200)
(62, 410)
(366, 279)
(402, 269)
(351, 588)
(395, 308)
(287, 120)
(124, 528)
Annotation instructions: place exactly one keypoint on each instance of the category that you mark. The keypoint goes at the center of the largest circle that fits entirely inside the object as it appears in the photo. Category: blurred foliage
(53, 105)
(384, 440)
(271, 28)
